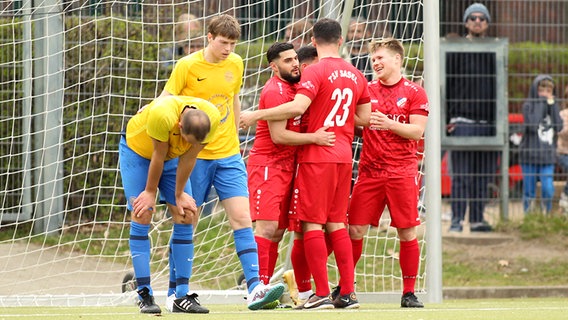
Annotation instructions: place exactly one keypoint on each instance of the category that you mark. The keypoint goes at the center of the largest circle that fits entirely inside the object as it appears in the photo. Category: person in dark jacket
(542, 122)
(471, 102)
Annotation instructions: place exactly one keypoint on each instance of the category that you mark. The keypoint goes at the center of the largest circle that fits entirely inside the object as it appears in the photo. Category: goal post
(74, 72)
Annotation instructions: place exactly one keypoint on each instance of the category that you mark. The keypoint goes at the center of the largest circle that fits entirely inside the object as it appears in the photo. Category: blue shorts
(134, 172)
(227, 175)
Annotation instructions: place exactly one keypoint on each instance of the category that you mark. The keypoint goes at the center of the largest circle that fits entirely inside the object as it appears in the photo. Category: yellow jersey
(160, 120)
(217, 83)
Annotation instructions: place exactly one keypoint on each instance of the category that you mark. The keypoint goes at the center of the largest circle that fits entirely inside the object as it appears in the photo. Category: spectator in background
(471, 94)
(562, 150)
(188, 35)
(476, 18)
(298, 33)
(538, 148)
(356, 49)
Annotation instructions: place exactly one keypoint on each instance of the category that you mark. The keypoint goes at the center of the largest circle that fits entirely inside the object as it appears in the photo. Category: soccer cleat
(300, 306)
(189, 304)
(335, 292)
(271, 305)
(146, 303)
(409, 300)
(317, 303)
(300, 302)
(290, 280)
(348, 301)
(170, 302)
(263, 294)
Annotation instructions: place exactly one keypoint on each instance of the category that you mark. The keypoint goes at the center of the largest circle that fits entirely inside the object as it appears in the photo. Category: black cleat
(409, 300)
(188, 304)
(348, 301)
(335, 293)
(317, 302)
(482, 226)
(146, 303)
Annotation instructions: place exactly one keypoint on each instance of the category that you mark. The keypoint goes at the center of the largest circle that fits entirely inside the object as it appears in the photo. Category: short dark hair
(307, 54)
(274, 51)
(195, 122)
(327, 31)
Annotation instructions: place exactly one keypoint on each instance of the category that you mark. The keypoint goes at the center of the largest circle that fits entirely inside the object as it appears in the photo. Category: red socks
(263, 245)
(316, 255)
(357, 246)
(344, 259)
(300, 265)
(272, 258)
(409, 261)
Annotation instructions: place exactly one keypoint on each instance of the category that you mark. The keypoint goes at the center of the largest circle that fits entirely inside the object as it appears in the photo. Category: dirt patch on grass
(504, 259)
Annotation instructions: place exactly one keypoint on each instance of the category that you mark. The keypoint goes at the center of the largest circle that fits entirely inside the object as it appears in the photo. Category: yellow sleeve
(160, 122)
(178, 79)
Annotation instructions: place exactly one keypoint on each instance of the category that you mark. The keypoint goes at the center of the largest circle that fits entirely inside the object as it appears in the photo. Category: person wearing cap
(470, 96)
(476, 19)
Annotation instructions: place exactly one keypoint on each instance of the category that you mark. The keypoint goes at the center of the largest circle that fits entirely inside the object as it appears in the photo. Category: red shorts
(270, 191)
(294, 224)
(371, 195)
(321, 192)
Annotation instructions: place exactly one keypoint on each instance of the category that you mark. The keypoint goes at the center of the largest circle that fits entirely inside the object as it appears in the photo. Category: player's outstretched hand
(247, 119)
(323, 137)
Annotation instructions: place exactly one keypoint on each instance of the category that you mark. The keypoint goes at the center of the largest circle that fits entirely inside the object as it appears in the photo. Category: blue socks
(140, 251)
(248, 255)
(182, 252)
(172, 282)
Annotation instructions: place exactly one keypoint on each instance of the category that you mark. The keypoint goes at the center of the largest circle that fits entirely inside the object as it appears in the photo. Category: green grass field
(502, 309)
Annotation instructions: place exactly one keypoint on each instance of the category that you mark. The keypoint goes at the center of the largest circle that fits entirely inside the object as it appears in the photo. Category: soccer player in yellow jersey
(158, 152)
(215, 74)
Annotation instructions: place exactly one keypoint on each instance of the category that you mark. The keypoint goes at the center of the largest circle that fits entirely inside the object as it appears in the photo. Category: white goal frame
(40, 145)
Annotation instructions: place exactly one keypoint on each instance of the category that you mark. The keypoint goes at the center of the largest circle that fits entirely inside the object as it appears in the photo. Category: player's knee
(182, 219)
(143, 219)
(357, 231)
(406, 234)
(267, 229)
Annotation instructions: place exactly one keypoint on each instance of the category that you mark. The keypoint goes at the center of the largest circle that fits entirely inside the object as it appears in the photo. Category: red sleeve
(420, 105)
(365, 94)
(274, 94)
(309, 83)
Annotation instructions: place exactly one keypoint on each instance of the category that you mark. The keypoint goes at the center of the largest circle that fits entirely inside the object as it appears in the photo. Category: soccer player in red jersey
(388, 168)
(338, 97)
(272, 159)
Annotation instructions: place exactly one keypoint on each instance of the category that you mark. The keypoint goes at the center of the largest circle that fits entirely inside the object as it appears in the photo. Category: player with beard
(272, 159)
(337, 96)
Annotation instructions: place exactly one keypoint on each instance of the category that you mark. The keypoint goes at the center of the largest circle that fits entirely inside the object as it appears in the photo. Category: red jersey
(383, 150)
(335, 87)
(264, 151)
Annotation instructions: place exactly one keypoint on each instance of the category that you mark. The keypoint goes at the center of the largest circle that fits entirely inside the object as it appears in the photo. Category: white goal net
(71, 75)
